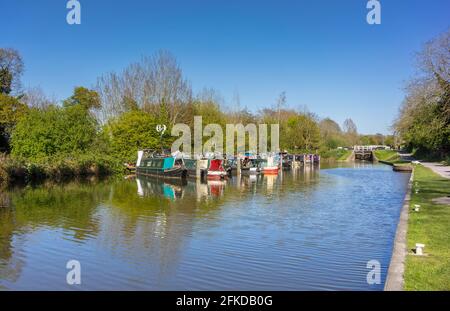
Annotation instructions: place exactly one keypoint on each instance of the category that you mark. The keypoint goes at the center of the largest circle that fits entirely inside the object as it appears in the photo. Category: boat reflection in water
(176, 189)
(207, 189)
(171, 189)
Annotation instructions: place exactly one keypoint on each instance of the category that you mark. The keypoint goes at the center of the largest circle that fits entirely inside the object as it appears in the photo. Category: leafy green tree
(389, 140)
(301, 133)
(132, 131)
(5, 81)
(85, 98)
(210, 113)
(54, 131)
(331, 134)
(424, 119)
(11, 111)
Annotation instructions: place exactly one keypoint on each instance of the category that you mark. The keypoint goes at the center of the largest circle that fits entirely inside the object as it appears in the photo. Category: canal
(308, 229)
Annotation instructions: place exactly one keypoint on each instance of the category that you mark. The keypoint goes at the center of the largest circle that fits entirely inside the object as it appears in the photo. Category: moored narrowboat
(270, 165)
(160, 166)
(250, 166)
(196, 168)
(216, 169)
(286, 160)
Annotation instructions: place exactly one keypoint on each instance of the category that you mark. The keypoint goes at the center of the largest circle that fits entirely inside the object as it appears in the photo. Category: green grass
(336, 154)
(345, 154)
(387, 156)
(430, 226)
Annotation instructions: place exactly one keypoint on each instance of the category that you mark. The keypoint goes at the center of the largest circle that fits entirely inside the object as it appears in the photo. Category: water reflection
(301, 229)
(170, 189)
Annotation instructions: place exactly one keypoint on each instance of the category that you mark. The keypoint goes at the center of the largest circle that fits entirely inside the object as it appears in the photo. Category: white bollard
(416, 207)
(419, 249)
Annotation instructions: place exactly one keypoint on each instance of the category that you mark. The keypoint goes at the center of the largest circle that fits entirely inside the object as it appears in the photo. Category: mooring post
(419, 249)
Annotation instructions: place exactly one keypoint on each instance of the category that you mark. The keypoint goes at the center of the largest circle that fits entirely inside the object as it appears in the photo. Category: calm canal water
(302, 230)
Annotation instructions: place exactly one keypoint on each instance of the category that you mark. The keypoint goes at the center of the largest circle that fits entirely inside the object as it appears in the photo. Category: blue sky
(322, 53)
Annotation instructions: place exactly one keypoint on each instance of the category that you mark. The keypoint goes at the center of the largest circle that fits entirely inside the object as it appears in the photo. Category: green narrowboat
(160, 166)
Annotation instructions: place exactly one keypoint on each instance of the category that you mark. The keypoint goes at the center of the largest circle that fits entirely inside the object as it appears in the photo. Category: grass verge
(390, 156)
(335, 155)
(429, 226)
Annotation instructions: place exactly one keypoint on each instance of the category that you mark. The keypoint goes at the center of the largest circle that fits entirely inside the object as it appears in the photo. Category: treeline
(423, 123)
(96, 130)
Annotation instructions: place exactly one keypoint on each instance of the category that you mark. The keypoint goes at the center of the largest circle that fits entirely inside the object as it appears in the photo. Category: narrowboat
(286, 160)
(250, 166)
(270, 165)
(216, 169)
(161, 166)
(230, 166)
(402, 168)
(194, 167)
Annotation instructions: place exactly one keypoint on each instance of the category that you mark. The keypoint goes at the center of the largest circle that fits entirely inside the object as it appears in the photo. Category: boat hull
(402, 168)
(250, 171)
(270, 170)
(172, 173)
(216, 174)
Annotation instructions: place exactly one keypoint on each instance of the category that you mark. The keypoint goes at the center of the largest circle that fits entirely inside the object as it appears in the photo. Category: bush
(52, 131)
(130, 132)
(57, 167)
(4, 177)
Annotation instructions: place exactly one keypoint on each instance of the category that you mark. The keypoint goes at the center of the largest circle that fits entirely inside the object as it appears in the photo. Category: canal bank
(429, 226)
(395, 276)
(424, 220)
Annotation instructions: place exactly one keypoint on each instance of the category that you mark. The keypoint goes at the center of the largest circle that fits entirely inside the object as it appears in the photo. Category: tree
(11, 69)
(35, 98)
(433, 60)
(11, 111)
(281, 102)
(331, 134)
(351, 131)
(85, 98)
(156, 84)
(55, 130)
(390, 141)
(130, 132)
(350, 126)
(301, 133)
(5, 81)
(424, 119)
